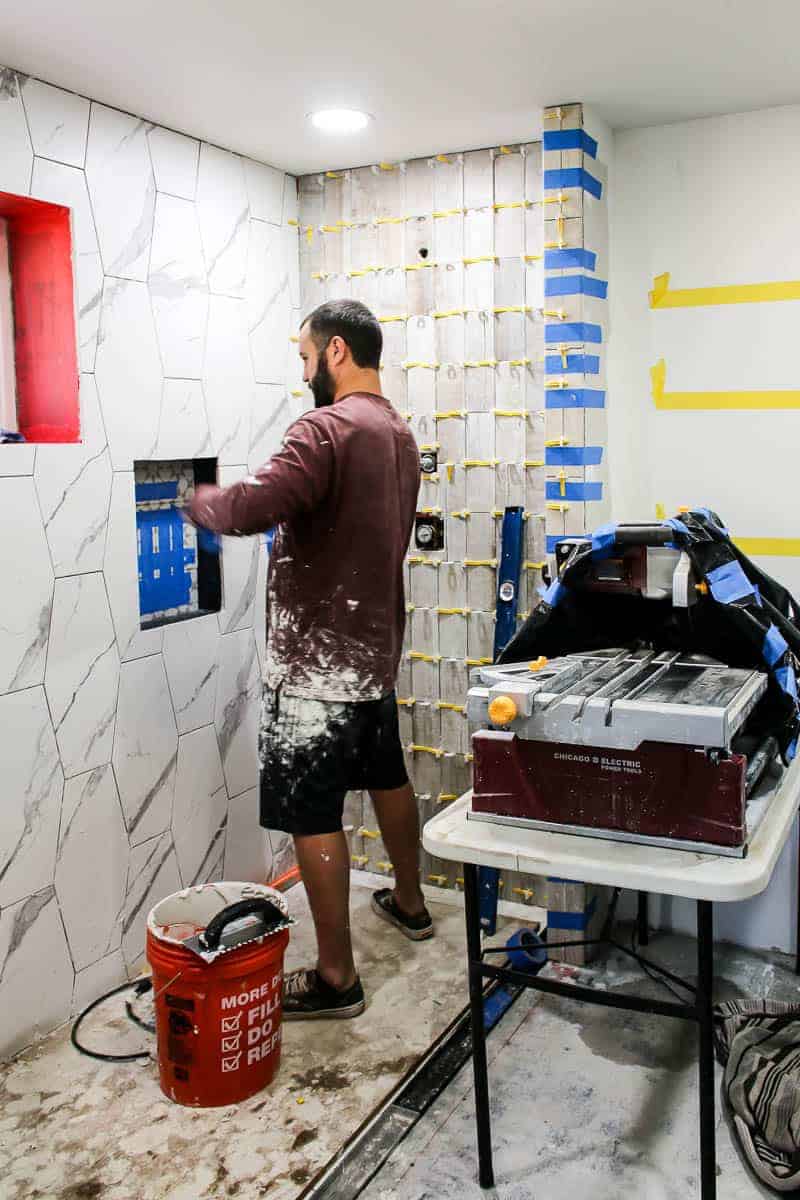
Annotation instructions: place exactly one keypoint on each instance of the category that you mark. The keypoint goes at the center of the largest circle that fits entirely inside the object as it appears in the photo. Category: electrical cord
(141, 986)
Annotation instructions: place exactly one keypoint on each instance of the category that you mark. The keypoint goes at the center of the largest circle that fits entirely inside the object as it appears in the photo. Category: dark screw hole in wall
(423, 251)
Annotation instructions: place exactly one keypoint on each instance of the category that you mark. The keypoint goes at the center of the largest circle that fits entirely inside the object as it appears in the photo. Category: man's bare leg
(398, 818)
(324, 861)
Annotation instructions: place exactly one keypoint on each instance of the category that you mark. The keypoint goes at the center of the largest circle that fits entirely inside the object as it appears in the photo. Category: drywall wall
(129, 758)
(712, 203)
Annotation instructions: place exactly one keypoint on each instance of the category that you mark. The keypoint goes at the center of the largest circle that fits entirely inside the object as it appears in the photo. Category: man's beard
(322, 385)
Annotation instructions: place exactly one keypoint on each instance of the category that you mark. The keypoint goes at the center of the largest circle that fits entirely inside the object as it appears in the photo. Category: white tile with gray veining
(36, 971)
(27, 593)
(264, 191)
(59, 184)
(32, 788)
(223, 209)
(228, 380)
(268, 301)
(121, 573)
(152, 875)
(82, 673)
(92, 835)
(191, 649)
(248, 852)
(97, 979)
(16, 155)
(239, 569)
(290, 205)
(178, 287)
(17, 459)
(183, 429)
(273, 412)
(237, 710)
(121, 185)
(200, 812)
(58, 122)
(74, 487)
(175, 160)
(129, 373)
(145, 748)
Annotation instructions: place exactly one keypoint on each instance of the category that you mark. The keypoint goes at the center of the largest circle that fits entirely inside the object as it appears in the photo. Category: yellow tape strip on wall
(716, 400)
(662, 296)
(776, 547)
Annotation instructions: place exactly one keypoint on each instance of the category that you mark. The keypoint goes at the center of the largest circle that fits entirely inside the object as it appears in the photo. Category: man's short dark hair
(353, 322)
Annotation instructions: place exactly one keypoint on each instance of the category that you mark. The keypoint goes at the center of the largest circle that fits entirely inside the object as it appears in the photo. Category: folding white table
(706, 878)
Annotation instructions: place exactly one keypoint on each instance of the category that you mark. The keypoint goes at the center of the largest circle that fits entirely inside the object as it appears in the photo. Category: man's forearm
(238, 510)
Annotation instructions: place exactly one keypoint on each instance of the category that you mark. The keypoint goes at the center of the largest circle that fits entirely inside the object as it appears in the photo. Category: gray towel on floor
(758, 1041)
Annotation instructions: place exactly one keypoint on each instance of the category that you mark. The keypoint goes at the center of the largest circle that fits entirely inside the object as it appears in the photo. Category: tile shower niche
(179, 566)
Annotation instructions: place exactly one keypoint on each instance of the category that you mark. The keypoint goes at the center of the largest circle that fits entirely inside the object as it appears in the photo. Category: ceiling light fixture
(339, 120)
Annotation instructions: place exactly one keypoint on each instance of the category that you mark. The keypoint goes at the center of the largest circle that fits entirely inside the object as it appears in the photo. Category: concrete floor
(587, 1103)
(72, 1128)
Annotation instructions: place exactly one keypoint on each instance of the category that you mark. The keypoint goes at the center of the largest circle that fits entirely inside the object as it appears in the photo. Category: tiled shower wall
(129, 758)
(451, 253)
(447, 252)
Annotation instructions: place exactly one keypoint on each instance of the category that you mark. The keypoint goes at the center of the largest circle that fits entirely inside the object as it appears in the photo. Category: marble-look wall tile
(59, 184)
(92, 837)
(82, 673)
(273, 412)
(26, 597)
(178, 287)
(190, 656)
(122, 188)
(145, 748)
(17, 460)
(239, 570)
(290, 204)
(129, 374)
(152, 875)
(16, 156)
(96, 980)
(283, 855)
(248, 852)
(228, 379)
(36, 974)
(32, 787)
(120, 568)
(268, 301)
(74, 487)
(264, 191)
(183, 429)
(175, 160)
(58, 122)
(237, 710)
(223, 209)
(200, 812)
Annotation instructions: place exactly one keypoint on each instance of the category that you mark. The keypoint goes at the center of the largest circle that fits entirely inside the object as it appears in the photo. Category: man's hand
(199, 505)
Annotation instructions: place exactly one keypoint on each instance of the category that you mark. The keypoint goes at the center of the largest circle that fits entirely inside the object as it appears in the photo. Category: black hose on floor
(141, 986)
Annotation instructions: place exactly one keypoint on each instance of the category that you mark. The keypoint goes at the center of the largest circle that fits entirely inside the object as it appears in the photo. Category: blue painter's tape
(603, 540)
(788, 681)
(572, 920)
(729, 583)
(677, 525)
(574, 398)
(791, 750)
(577, 364)
(775, 646)
(569, 257)
(569, 139)
(552, 542)
(573, 456)
(157, 491)
(576, 285)
(572, 331)
(573, 177)
(577, 491)
(554, 593)
(712, 517)
(269, 538)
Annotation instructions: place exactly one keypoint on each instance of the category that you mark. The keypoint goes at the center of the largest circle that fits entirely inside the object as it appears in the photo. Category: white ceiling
(451, 75)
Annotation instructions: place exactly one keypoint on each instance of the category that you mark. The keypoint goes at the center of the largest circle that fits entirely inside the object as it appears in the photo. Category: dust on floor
(72, 1128)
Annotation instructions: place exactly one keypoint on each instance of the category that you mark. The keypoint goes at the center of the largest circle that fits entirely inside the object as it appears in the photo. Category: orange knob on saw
(538, 663)
(502, 710)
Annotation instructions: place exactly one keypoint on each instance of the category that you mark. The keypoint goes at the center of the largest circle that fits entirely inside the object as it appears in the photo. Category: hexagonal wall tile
(27, 594)
(145, 748)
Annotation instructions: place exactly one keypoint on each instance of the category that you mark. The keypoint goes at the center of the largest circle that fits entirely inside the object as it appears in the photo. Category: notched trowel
(249, 920)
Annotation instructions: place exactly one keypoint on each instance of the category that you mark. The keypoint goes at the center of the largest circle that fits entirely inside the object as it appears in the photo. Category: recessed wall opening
(178, 565)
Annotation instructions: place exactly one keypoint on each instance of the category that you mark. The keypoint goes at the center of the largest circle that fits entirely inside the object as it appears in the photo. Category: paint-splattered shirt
(342, 494)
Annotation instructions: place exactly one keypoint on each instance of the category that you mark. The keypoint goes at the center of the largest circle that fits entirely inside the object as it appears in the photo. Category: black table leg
(472, 911)
(642, 915)
(705, 1013)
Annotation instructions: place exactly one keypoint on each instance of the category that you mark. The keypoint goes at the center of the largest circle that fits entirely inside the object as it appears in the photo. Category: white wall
(128, 759)
(710, 202)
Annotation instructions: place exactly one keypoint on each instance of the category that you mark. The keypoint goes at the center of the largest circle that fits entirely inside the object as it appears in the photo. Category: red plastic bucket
(218, 1024)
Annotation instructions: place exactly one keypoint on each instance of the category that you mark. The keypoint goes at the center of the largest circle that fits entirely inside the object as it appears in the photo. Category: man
(342, 492)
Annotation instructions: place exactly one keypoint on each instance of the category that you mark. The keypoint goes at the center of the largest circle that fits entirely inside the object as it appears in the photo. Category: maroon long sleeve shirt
(342, 494)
